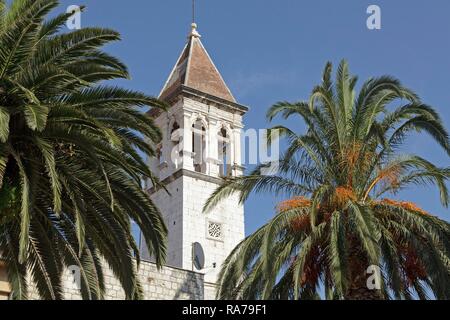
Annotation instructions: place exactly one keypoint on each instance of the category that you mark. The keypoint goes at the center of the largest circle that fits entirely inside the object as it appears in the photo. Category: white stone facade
(189, 186)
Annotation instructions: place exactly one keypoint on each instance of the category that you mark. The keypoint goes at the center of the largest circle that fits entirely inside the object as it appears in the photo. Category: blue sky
(275, 50)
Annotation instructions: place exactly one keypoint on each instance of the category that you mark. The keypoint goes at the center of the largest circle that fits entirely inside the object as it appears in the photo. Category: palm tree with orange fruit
(337, 223)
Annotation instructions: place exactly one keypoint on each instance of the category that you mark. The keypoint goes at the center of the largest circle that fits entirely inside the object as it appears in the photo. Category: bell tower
(201, 146)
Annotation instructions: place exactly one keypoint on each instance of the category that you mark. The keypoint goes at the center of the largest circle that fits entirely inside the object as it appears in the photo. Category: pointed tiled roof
(196, 70)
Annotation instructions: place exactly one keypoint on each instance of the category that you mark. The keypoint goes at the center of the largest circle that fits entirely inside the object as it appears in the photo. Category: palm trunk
(363, 293)
(359, 264)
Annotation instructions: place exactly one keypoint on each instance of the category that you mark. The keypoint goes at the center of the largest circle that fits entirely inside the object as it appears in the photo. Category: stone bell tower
(201, 145)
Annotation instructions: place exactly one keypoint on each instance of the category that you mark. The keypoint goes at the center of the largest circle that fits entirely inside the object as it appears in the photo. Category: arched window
(159, 154)
(175, 127)
(175, 137)
(224, 153)
(199, 146)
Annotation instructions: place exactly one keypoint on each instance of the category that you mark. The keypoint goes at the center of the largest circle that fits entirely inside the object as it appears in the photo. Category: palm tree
(71, 153)
(336, 223)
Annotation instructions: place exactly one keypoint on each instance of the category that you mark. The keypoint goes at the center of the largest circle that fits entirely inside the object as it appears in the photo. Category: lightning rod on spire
(193, 11)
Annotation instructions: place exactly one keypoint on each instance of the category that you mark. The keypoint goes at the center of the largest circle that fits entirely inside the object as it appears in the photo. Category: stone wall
(166, 284)
(210, 291)
(228, 214)
(4, 285)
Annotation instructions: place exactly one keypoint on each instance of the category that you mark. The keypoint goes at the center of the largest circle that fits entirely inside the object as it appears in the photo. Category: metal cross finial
(194, 32)
(193, 11)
